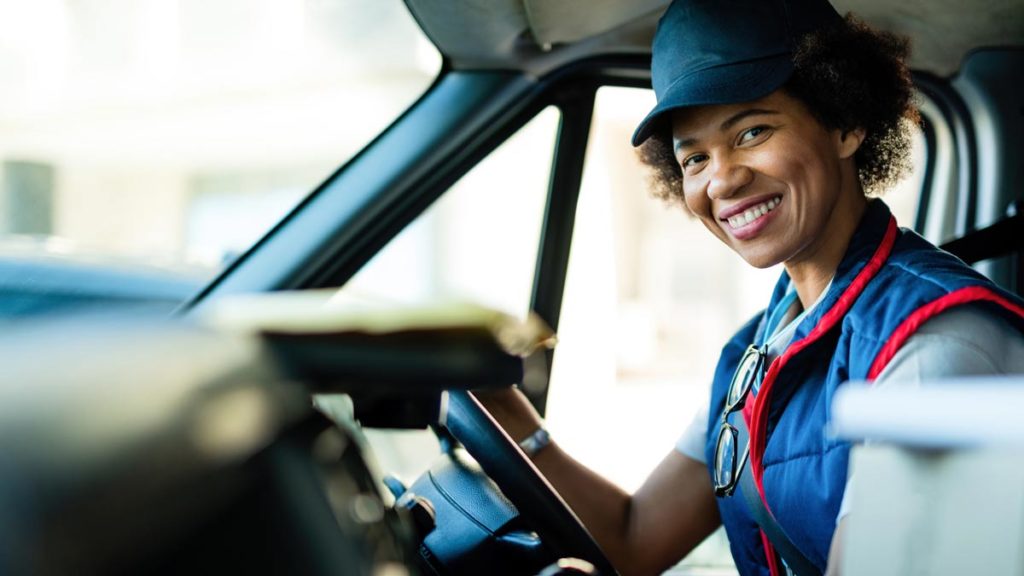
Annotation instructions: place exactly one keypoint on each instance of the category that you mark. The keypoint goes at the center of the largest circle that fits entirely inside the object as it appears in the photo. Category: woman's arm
(643, 533)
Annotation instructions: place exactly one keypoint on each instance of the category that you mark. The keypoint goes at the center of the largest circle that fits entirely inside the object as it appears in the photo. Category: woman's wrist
(535, 442)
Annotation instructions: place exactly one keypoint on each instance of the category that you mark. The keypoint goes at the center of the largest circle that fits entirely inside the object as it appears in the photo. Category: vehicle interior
(306, 406)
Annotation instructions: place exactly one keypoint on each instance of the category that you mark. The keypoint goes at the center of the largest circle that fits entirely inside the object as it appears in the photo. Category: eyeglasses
(728, 461)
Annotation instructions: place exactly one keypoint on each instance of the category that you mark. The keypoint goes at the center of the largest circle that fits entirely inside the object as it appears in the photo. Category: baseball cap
(726, 51)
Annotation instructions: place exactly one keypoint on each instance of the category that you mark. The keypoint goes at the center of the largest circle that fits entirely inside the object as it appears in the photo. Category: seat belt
(999, 239)
(795, 562)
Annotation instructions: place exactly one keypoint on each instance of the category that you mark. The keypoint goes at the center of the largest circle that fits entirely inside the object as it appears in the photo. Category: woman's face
(766, 178)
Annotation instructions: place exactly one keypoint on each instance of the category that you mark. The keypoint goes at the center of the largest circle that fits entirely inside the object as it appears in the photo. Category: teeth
(753, 213)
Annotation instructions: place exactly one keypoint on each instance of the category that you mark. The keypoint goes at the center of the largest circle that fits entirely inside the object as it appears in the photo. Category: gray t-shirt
(693, 440)
(963, 341)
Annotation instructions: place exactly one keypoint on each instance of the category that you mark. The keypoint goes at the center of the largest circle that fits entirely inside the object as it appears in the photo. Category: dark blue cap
(726, 51)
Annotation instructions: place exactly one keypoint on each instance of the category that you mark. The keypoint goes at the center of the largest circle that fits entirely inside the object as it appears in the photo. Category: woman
(774, 121)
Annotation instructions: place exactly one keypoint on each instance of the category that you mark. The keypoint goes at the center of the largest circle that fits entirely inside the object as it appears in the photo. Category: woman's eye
(752, 133)
(691, 161)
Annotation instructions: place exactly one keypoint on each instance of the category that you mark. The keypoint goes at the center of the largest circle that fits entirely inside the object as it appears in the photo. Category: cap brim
(721, 85)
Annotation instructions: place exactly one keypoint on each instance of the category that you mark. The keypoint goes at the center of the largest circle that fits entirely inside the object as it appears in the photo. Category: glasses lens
(725, 456)
(744, 376)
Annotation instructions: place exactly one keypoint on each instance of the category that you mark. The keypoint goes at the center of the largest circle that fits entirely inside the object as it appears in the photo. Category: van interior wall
(996, 107)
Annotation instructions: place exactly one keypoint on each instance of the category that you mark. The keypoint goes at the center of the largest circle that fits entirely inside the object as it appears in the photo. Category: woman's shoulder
(966, 340)
(920, 282)
(916, 264)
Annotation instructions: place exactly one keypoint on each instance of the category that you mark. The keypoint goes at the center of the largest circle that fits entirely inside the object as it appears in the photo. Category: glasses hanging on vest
(729, 462)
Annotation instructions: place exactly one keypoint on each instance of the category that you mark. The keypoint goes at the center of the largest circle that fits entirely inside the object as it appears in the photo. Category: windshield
(144, 144)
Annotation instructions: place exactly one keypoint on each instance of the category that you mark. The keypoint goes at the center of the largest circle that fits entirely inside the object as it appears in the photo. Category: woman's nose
(728, 177)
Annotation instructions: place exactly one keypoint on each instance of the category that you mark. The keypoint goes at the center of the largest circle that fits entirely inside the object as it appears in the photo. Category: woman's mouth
(752, 214)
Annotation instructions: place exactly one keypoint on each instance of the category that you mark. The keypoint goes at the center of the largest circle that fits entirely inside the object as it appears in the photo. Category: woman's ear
(848, 141)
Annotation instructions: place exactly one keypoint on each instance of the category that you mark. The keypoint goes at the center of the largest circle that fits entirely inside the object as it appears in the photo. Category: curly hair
(850, 76)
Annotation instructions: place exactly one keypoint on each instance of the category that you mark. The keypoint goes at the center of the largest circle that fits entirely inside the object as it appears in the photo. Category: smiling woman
(849, 78)
(512, 181)
(162, 139)
(771, 155)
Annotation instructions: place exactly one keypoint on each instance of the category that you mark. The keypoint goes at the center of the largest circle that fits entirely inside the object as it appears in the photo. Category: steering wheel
(522, 483)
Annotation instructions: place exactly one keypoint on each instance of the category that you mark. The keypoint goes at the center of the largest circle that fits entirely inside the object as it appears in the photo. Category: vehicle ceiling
(538, 36)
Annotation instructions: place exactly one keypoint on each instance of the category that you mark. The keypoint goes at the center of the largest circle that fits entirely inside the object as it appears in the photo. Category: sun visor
(564, 21)
(512, 33)
(472, 30)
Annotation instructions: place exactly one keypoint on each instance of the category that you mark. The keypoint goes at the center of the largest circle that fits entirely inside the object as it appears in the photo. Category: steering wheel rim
(498, 456)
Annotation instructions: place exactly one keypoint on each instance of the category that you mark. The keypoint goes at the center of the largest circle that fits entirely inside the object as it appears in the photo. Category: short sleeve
(693, 441)
(964, 341)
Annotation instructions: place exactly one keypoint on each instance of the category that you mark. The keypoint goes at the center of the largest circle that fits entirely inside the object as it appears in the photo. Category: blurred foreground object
(150, 446)
(395, 362)
(377, 349)
(133, 445)
(939, 487)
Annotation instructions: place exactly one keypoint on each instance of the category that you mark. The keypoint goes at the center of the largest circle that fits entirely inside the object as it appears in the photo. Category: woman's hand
(642, 534)
(512, 410)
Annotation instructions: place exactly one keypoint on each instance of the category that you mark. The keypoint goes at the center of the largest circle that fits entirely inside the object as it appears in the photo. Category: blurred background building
(176, 132)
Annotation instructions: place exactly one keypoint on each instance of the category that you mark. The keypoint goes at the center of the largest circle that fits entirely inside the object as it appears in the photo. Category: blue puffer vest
(889, 282)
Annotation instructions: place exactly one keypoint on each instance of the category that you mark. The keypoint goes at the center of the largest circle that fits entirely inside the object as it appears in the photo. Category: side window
(144, 144)
(477, 243)
(650, 299)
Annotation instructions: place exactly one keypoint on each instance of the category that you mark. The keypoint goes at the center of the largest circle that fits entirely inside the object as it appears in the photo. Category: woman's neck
(811, 272)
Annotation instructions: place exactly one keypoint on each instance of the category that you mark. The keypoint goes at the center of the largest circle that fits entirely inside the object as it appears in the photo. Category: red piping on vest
(907, 328)
(770, 554)
(756, 412)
